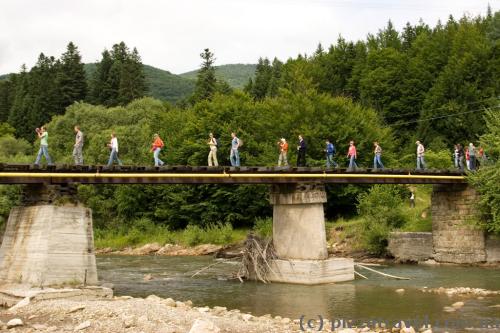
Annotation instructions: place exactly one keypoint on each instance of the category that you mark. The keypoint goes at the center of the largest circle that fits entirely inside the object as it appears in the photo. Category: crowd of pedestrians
(472, 156)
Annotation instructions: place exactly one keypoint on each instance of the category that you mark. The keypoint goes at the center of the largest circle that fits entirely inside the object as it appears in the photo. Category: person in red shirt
(156, 148)
(352, 155)
(283, 152)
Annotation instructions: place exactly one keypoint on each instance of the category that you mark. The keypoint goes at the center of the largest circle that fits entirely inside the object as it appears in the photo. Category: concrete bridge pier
(48, 240)
(455, 237)
(299, 237)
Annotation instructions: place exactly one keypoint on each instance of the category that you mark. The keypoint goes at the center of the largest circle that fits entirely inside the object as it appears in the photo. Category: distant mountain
(236, 75)
(4, 77)
(161, 84)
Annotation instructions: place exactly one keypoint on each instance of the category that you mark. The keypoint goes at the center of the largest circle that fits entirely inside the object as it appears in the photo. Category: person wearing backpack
(377, 159)
(212, 155)
(330, 152)
(234, 155)
(156, 148)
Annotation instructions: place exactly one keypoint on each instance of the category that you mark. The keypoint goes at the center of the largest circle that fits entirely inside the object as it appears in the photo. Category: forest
(439, 85)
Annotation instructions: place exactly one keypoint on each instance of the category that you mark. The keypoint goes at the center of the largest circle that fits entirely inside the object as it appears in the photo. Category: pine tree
(6, 99)
(71, 77)
(263, 75)
(132, 80)
(275, 82)
(206, 82)
(18, 112)
(100, 91)
(119, 77)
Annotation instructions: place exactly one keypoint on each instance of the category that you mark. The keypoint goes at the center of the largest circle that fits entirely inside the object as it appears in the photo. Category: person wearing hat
(283, 152)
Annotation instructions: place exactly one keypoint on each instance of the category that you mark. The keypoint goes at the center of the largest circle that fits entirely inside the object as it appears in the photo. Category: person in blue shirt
(234, 156)
(330, 152)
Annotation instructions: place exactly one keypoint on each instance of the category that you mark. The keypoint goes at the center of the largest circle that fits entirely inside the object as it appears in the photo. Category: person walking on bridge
(352, 155)
(113, 145)
(282, 159)
(330, 152)
(212, 155)
(234, 155)
(377, 159)
(301, 152)
(156, 148)
(461, 155)
(78, 146)
(420, 156)
(472, 156)
(43, 135)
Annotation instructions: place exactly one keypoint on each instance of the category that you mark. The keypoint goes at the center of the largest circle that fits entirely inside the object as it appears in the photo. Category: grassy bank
(146, 232)
(359, 233)
(369, 233)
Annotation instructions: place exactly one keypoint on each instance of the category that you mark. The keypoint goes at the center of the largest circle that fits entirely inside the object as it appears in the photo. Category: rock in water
(148, 277)
(204, 326)
(82, 326)
(457, 305)
(14, 323)
(400, 291)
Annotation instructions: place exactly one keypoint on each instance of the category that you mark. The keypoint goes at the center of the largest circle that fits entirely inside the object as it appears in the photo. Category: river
(358, 300)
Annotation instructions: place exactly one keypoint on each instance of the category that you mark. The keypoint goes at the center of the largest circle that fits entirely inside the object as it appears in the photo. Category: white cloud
(171, 34)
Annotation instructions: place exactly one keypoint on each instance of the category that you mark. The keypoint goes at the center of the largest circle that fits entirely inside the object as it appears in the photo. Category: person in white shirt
(212, 155)
(420, 156)
(113, 145)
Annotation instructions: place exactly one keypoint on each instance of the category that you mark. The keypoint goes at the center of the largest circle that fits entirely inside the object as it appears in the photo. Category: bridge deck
(98, 174)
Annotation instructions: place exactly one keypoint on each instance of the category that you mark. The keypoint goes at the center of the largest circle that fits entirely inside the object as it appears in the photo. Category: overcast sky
(170, 34)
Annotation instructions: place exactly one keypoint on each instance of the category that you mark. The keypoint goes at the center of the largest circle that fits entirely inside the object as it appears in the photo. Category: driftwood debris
(207, 267)
(256, 256)
(383, 274)
(360, 275)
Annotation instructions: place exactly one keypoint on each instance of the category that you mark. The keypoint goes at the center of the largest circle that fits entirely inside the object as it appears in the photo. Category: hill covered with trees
(236, 75)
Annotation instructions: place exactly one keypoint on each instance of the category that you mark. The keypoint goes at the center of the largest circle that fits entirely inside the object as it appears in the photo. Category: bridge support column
(48, 240)
(299, 237)
(455, 238)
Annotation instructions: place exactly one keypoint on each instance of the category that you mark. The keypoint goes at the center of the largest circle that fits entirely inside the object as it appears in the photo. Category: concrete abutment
(48, 240)
(455, 236)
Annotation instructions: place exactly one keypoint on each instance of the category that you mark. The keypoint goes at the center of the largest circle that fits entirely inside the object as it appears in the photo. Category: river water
(359, 300)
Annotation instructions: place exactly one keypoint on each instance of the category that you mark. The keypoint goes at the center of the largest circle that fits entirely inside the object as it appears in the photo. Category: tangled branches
(256, 256)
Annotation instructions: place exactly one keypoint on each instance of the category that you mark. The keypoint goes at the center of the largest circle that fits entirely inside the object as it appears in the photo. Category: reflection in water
(358, 300)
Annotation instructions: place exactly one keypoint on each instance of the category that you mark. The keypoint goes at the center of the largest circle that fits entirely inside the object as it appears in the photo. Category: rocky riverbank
(150, 315)
(164, 250)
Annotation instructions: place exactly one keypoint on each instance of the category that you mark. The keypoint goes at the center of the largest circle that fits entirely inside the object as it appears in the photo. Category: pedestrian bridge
(95, 174)
(49, 237)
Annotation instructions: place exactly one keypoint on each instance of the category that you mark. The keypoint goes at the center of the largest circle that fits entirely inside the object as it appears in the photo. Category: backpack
(216, 142)
(240, 143)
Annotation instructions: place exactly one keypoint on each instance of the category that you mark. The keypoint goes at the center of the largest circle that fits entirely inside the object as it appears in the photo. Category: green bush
(381, 210)
(487, 179)
(263, 227)
(212, 234)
